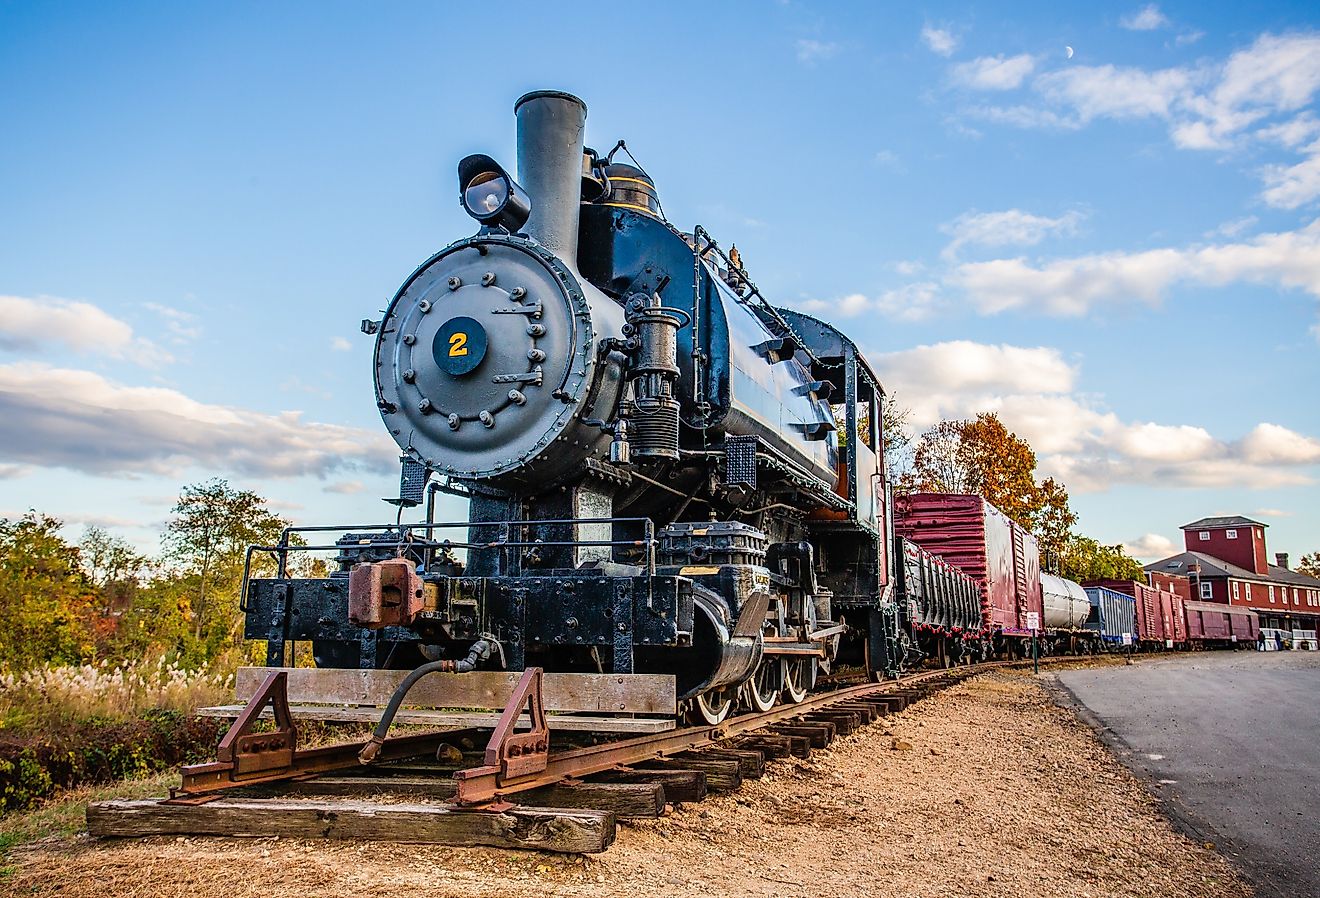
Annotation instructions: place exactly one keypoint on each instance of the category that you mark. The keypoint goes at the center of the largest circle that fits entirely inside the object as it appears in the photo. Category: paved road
(1231, 740)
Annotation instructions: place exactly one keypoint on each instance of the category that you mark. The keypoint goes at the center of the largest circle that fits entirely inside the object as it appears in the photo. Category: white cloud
(1288, 187)
(32, 324)
(83, 421)
(1270, 444)
(912, 302)
(995, 72)
(1148, 18)
(1151, 547)
(1272, 513)
(178, 322)
(339, 344)
(1108, 91)
(1258, 93)
(13, 472)
(888, 159)
(1073, 286)
(1012, 227)
(346, 487)
(930, 374)
(1234, 228)
(940, 41)
(1089, 448)
(811, 52)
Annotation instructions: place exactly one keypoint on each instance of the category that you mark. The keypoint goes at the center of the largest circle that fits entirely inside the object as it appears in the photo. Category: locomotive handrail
(406, 530)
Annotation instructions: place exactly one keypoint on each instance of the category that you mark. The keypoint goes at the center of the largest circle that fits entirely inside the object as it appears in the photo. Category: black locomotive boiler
(665, 473)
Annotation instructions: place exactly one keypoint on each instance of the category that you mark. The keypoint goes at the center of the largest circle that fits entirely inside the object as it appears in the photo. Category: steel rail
(485, 785)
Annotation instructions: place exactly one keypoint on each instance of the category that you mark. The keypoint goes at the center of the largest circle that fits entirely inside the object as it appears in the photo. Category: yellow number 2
(458, 345)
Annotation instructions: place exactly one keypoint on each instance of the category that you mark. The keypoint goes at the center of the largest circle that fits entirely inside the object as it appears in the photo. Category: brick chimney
(1281, 559)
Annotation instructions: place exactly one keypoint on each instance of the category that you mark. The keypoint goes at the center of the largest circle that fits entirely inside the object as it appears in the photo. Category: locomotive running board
(485, 689)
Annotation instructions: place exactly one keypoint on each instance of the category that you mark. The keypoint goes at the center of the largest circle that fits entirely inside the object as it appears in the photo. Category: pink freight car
(1161, 619)
(1216, 624)
(979, 539)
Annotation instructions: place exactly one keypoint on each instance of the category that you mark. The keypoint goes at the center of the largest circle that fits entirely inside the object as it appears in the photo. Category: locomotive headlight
(489, 195)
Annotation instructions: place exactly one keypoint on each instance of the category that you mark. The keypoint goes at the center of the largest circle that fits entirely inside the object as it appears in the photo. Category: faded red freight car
(1215, 624)
(979, 539)
(1161, 617)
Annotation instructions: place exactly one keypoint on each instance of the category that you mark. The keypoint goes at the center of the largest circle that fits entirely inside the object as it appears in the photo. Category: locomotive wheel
(761, 691)
(710, 708)
(799, 679)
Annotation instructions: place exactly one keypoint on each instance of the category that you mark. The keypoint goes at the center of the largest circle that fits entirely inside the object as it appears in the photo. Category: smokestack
(550, 128)
(1281, 559)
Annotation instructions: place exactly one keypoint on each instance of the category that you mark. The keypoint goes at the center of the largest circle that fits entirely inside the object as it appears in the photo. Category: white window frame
(1207, 591)
(1235, 589)
(1204, 536)
(1230, 534)
(1271, 593)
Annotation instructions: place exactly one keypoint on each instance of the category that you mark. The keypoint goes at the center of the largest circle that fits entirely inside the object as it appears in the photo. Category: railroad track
(567, 800)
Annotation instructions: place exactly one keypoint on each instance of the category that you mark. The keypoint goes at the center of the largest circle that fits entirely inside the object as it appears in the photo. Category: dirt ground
(1001, 793)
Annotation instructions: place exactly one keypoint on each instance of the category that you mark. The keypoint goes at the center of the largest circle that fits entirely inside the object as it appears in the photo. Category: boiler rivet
(409, 376)
(454, 421)
(517, 293)
(455, 283)
(536, 330)
(517, 398)
(409, 339)
(424, 406)
(487, 279)
(425, 306)
(486, 418)
(536, 355)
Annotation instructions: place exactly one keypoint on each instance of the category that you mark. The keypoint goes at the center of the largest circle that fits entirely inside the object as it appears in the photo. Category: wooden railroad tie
(679, 785)
(771, 746)
(819, 735)
(543, 829)
(721, 775)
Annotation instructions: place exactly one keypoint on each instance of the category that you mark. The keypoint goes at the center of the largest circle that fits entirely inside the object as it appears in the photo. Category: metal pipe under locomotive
(656, 476)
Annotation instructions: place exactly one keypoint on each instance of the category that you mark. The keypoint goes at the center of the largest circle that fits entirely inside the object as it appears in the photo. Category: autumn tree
(46, 601)
(1309, 565)
(112, 566)
(1084, 559)
(206, 541)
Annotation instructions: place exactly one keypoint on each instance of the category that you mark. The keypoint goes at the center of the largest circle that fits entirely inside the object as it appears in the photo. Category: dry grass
(59, 697)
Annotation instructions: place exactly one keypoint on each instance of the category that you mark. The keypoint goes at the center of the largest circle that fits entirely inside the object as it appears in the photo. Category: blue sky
(1118, 252)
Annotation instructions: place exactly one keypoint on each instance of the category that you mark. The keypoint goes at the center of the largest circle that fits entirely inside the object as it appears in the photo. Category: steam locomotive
(665, 473)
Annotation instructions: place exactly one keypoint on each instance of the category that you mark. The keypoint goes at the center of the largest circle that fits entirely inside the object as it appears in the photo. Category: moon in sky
(1069, 51)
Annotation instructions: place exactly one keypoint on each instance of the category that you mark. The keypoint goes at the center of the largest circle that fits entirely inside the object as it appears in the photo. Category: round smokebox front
(482, 357)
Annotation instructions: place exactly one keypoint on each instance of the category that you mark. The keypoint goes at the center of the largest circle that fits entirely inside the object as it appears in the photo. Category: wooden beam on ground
(467, 719)
(679, 785)
(542, 829)
(488, 689)
(721, 775)
(864, 709)
(772, 747)
(844, 721)
(819, 734)
(751, 763)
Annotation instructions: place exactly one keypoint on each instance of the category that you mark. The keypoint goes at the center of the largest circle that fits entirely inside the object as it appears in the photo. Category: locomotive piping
(481, 650)
(550, 129)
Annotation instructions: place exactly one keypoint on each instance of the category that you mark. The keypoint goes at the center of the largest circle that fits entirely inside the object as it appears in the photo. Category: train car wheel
(761, 691)
(799, 679)
(710, 708)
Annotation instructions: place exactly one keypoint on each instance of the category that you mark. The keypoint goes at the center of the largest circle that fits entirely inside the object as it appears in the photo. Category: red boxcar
(979, 539)
(1155, 609)
(1213, 622)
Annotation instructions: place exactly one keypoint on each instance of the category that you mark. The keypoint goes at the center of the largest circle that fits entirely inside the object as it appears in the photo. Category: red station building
(1226, 562)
